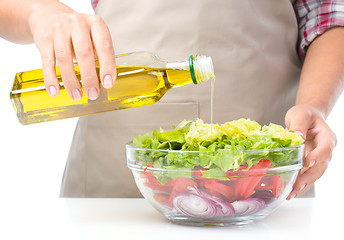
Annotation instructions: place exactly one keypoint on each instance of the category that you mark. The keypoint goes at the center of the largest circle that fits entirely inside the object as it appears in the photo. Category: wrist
(33, 12)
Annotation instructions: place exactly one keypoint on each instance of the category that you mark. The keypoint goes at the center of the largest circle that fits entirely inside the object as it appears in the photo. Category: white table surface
(137, 219)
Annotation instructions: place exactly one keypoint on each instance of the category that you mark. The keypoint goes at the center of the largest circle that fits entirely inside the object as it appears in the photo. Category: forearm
(14, 19)
(322, 76)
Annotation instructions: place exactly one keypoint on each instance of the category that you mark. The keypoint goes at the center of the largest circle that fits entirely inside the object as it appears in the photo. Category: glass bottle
(142, 79)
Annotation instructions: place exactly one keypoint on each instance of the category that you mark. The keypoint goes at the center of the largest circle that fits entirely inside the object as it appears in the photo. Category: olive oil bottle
(142, 79)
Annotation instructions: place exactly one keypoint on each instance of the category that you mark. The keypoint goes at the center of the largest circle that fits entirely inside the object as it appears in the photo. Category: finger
(103, 45)
(316, 161)
(323, 140)
(83, 49)
(64, 58)
(322, 152)
(49, 71)
(299, 121)
(304, 181)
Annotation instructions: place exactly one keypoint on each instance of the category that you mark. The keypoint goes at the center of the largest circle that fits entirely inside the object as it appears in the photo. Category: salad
(212, 170)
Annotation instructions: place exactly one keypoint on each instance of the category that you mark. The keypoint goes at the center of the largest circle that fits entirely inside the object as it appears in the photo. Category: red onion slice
(195, 206)
(248, 206)
(227, 208)
(196, 203)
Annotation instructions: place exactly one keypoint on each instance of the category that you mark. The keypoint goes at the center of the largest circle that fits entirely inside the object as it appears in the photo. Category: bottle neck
(201, 68)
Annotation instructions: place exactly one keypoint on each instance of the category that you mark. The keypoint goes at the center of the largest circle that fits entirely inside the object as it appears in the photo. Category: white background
(32, 158)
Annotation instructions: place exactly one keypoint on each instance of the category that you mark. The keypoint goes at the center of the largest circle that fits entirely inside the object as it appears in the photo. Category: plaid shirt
(314, 18)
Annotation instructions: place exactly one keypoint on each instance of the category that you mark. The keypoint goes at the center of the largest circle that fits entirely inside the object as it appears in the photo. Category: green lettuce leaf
(217, 148)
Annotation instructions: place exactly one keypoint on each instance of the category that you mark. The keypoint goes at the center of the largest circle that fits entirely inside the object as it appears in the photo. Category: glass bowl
(209, 196)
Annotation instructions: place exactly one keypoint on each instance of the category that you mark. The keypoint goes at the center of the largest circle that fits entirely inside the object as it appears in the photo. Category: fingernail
(292, 196)
(108, 83)
(311, 164)
(76, 94)
(52, 91)
(302, 187)
(92, 93)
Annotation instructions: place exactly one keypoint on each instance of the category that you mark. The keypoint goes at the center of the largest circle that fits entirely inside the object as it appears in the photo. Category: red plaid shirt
(314, 18)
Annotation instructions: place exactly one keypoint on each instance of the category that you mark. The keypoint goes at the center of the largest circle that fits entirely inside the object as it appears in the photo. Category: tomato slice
(214, 186)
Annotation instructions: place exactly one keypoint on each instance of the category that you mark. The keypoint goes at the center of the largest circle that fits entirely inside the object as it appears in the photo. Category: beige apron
(253, 47)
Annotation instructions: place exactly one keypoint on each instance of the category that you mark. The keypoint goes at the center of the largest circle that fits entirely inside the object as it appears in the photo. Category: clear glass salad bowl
(210, 196)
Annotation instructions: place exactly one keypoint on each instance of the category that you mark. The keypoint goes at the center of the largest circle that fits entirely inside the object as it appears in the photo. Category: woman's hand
(60, 34)
(319, 144)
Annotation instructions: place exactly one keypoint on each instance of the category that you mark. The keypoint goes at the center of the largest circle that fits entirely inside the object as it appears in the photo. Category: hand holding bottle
(60, 34)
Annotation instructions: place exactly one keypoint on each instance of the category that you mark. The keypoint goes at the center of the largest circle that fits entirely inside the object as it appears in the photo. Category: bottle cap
(201, 68)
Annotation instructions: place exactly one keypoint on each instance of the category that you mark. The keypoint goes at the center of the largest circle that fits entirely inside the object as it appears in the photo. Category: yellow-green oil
(135, 86)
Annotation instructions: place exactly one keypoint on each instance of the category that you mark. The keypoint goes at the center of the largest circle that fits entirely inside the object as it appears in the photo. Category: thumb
(299, 119)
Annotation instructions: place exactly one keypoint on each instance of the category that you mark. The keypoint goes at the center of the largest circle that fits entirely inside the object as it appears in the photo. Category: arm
(322, 77)
(14, 25)
(321, 83)
(59, 34)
